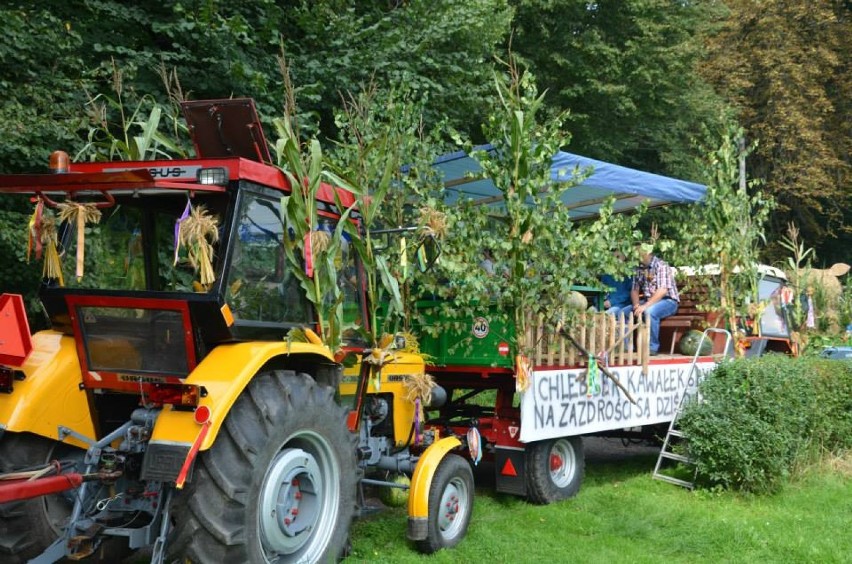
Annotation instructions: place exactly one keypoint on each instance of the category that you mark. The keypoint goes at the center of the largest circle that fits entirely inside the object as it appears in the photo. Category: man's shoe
(655, 353)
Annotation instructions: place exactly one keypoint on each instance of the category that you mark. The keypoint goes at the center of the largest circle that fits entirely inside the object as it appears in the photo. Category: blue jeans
(660, 310)
(620, 310)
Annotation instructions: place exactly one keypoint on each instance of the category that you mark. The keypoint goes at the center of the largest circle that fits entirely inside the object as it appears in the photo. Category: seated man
(654, 280)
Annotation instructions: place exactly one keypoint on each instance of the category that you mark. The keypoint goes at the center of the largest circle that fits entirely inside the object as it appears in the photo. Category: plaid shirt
(657, 274)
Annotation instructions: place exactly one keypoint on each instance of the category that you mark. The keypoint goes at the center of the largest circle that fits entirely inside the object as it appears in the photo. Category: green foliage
(41, 72)
(844, 306)
(761, 419)
(627, 70)
(726, 228)
(126, 127)
(384, 153)
(539, 251)
(442, 53)
(785, 67)
(304, 167)
(798, 267)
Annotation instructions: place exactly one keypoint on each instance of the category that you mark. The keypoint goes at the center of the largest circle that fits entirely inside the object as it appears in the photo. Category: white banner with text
(557, 403)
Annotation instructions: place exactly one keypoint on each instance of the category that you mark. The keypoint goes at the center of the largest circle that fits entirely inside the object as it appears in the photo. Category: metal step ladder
(674, 433)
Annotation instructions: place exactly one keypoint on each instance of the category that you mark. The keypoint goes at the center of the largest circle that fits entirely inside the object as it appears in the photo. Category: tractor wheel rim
(299, 500)
(453, 508)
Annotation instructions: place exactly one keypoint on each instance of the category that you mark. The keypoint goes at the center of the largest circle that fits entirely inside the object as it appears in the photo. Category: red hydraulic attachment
(21, 489)
(17, 490)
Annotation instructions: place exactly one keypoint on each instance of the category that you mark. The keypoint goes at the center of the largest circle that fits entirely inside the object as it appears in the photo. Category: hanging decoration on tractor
(378, 357)
(34, 230)
(522, 373)
(419, 388)
(79, 214)
(197, 233)
(49, 239)
(178, 223)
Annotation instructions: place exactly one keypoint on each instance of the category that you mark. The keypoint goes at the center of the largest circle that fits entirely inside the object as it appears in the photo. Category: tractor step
(82, 546)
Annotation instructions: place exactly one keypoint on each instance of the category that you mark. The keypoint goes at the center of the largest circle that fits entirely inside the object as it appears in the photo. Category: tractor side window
(259, 284)
(349, 284)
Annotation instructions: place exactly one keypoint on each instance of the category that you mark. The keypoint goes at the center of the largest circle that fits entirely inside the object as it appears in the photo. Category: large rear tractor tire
(278, 485)
(28, 527)
(450, 504)
(554, 469)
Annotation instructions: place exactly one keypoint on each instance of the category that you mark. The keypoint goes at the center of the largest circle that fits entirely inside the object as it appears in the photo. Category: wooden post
(610, 331)
(630, 347)
(551, 347)
(581, 361)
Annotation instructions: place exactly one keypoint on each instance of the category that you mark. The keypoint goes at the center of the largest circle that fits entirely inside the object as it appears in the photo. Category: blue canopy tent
(629, 187)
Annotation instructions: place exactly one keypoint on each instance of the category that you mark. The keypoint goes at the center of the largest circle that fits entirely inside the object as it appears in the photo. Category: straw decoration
(81, 214)
(434, 222)
(420, 387)
(320, 241)
(198, 232)
(49, 238)
(34, 231)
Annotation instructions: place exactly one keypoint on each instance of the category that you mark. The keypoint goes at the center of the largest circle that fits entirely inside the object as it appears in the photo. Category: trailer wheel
(450, 504)
(554, 469)
(278, 484)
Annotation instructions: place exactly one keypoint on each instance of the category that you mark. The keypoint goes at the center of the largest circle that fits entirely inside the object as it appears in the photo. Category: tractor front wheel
(450, 504)
(278, 485)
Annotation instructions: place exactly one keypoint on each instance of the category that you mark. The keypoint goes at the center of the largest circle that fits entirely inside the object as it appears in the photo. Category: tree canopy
(642, 79)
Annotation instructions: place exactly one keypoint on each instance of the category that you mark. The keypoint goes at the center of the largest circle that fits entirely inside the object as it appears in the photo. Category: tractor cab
(149, 265)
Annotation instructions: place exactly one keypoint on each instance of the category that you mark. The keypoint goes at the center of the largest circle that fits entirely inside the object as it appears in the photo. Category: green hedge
(762, 418)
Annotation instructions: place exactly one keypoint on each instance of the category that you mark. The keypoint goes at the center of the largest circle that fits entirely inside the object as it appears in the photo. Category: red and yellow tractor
(169, 407)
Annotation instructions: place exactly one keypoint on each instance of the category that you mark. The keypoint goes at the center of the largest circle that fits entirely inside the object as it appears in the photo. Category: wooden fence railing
(598, 333)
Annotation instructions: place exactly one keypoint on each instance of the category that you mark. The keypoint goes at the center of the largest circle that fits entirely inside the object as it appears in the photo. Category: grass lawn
(622, 515)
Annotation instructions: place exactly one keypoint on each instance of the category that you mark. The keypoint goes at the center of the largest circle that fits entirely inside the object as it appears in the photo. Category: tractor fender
(421, 481)
(50, 394)
(224, 373)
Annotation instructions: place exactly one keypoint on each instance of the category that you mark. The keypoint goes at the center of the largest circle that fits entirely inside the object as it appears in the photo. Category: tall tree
(627, 71)
(785, 65)
(57, 54)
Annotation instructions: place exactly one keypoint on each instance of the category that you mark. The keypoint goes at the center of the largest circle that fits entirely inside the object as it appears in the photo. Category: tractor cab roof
(229, 144)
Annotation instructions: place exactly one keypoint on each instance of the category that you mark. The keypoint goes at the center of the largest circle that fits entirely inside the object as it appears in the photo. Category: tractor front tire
(278, 485)
(450, 504)
(554, 469)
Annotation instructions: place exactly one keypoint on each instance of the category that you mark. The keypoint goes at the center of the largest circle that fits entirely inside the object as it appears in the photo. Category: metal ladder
(666, 452)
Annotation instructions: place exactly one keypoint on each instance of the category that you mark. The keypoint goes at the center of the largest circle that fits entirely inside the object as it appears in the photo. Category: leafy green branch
(539, 251)
(310, 250)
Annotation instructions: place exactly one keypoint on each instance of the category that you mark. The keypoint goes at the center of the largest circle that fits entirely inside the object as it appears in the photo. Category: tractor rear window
(134, 340)
(132, 246)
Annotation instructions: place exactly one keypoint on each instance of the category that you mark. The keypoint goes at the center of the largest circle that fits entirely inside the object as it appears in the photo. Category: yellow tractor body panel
(50, 395)
(418, 495)
(224, 373)
(394, 380)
